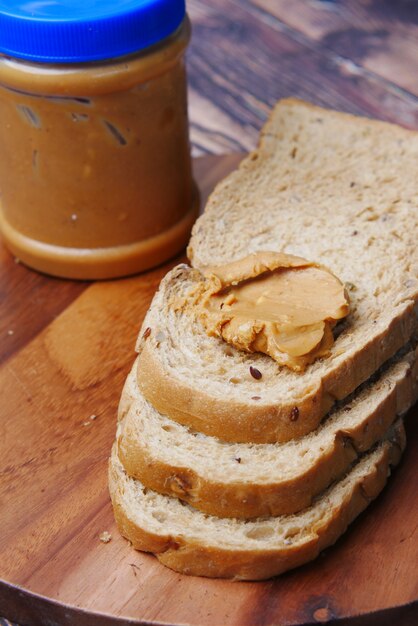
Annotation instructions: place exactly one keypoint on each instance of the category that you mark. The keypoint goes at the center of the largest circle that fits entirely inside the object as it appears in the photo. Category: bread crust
(278, 495)
(189, 554)
(242, 422)
(247, 499)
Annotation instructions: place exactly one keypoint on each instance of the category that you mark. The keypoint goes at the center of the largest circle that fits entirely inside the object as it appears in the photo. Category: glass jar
(95, 168)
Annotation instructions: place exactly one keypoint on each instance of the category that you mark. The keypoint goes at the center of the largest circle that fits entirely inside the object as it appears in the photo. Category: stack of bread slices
(227, 464)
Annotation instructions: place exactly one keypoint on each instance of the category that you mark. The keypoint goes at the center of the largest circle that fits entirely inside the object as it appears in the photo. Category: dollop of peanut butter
(275, 303)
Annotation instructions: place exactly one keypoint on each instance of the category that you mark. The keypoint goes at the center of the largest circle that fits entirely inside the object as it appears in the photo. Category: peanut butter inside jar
(95, 168)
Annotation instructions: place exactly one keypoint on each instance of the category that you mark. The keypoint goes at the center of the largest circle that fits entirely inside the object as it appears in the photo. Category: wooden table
(357, 56)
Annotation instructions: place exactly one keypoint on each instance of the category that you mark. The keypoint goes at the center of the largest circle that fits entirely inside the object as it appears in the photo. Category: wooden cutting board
(65, 351)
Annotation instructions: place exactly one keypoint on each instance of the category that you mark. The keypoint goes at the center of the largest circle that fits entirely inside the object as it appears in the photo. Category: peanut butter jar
(95, 168)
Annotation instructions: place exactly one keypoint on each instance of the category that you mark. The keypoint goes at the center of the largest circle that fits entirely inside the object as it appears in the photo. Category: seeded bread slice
(326, 186)
(207, 385)
(255, 480)
(190, 542)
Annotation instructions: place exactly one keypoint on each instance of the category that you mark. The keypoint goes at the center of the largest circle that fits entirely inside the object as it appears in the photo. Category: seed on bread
(410, 283)
(350, 286)
(294, 414)
(255, 373)
(159, 337)
(179, 485)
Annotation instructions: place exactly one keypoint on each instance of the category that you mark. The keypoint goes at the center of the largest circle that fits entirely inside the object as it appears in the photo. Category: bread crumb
(10, 332)
(90, 420)
(105, 537)
(322, 614)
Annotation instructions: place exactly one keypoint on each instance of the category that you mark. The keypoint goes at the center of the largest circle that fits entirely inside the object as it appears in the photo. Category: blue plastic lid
(73, 31)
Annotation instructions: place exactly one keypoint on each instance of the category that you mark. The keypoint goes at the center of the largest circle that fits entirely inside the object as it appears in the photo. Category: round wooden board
(65, 351)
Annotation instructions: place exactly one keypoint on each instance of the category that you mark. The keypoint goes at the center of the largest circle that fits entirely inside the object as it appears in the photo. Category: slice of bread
(256, 480)
(206, 384)
(190, 542)
(329, 187)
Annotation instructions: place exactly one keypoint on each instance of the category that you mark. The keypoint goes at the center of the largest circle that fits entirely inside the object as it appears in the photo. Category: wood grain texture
(246, 54)
(376, 35)
(54, 501)
(21, 293)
